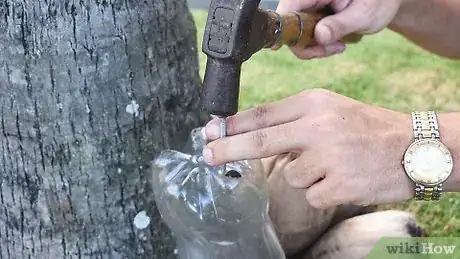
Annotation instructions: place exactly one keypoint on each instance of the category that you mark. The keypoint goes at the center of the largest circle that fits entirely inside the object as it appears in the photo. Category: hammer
(237, 29)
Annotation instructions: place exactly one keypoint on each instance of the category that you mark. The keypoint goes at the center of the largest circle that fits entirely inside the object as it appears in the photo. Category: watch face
(428, 162)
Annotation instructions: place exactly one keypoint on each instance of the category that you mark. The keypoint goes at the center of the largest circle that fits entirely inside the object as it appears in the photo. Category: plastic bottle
(214, 212)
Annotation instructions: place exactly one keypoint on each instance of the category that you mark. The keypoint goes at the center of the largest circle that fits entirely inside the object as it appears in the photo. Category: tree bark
(91, 91)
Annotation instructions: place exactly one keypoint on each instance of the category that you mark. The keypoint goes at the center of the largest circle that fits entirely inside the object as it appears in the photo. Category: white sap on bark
(75, 147)
(141, 220)
(133, 108)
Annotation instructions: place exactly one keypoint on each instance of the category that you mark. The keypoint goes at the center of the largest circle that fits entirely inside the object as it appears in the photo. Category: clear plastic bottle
(214, 212)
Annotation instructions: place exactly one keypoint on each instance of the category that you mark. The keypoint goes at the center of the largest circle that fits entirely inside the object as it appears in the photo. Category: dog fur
(345, 231)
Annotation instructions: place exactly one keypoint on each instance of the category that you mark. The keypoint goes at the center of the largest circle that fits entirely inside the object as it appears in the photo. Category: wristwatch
(427, 161)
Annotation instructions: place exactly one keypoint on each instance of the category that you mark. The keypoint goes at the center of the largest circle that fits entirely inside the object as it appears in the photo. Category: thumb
(332, 28)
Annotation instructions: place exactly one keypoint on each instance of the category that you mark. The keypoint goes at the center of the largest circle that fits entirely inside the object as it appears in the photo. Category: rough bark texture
(91, 91)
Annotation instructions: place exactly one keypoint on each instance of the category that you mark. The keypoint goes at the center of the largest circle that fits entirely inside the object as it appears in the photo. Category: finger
(318, 51)
(275, 164)
(268, 115)
(303, 172)
(256, 144)
(339, 5)
(322, 195)
(301, 5)
(332, 28)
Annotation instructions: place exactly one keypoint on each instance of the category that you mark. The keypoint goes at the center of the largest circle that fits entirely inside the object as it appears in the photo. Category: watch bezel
(432, 182)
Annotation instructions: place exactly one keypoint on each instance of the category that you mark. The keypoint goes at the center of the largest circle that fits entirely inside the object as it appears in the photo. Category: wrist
(406, 139)
(450, 136)
(431, 160)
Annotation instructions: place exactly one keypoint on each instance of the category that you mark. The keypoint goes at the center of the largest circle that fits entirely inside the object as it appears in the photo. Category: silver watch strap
(425, 125)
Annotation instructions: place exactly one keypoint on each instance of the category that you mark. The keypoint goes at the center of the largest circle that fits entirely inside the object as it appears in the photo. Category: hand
(351, 16)
(349, 152)
(297, 224)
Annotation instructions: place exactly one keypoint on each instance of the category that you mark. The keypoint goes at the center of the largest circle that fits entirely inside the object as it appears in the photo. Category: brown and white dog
(340, 232)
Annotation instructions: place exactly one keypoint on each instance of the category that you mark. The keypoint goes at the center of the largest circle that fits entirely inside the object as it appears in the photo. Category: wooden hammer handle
(299, 29)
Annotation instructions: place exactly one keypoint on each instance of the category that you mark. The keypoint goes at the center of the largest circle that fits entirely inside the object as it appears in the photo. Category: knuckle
(293, 177)
(315, 200)
(232, 127)
(320, 92)
(337, 29)
(260, 141)
(329, 121)
(368, 10)
(303, 55)
(302, 5)
(339, 6)
(303, 52)
(260, 111)
(217, 149)
(318, 95)
(260, 115)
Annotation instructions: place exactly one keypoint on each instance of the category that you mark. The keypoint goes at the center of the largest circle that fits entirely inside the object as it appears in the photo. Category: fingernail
(212, 130)
(324, 34)
(203, 133)
(207, 155)
(334, 48)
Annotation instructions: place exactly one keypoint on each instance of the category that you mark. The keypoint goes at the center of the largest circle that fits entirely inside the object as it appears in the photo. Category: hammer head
(227, 42)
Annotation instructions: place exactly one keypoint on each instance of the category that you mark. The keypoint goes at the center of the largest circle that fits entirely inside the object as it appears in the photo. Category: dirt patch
(425, 88)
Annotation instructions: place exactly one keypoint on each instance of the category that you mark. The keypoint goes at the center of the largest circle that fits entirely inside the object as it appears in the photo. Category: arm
(349, 152)
(431, 24)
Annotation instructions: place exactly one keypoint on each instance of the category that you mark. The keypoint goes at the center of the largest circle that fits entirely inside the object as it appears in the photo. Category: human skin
(349, 152)
(337, 232)
(430, 24)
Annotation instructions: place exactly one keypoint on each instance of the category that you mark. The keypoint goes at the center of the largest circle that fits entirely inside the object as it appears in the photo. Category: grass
(384, 70)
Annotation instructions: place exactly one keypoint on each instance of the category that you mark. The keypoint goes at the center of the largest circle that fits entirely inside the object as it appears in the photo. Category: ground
(384, 70)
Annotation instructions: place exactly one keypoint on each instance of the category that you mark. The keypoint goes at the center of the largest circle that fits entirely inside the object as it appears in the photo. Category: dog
(345, 231)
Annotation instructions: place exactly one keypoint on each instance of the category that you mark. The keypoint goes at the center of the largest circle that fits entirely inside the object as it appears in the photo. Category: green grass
(384, 70)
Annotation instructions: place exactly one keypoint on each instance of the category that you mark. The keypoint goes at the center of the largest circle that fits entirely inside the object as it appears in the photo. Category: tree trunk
(91, 91)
